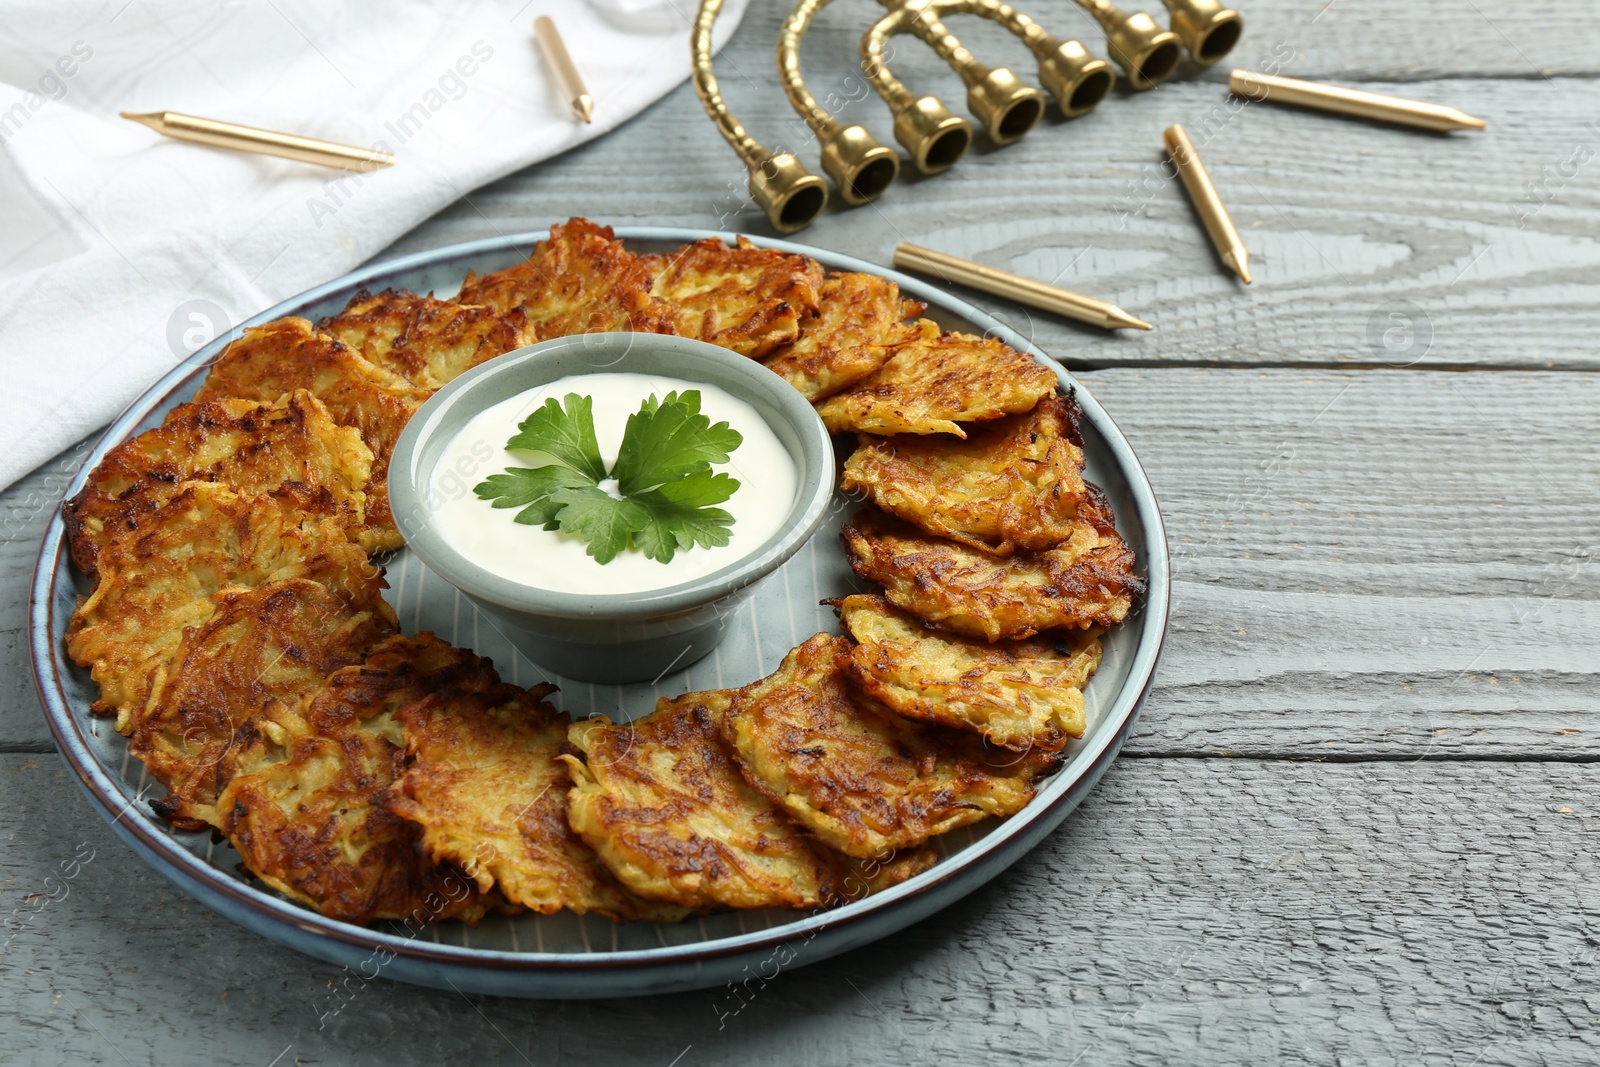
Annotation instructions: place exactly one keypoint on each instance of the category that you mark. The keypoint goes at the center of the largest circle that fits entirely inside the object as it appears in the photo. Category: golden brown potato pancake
(158, 577)
(243, 670)
(580, 280)
(307, 827)
(303, 807)
(860, 322)
(396, 672)
(934, 383)
(741, 297)
(861, 777)
(1086, 581)
(1013, 483)
(664, 804)
(427, 342)
(873, 875)
(486, 784)
(285, 355)
(1021, 695)
(243, 444)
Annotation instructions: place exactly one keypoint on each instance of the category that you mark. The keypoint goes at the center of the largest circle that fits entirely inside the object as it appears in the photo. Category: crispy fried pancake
(485, 782)
(1018, 694)
(935, 382)
(859, 324)
(741, 297)
(861, 777)
(664, 804)
(867, 876)
(395, 673)
(427, 342)
(243, 444)
(1013, 483)
(308, 828)
(282, 356)
(261, 650)
(303, 807)
(580, 280)
(158, 576)
(1086, 581)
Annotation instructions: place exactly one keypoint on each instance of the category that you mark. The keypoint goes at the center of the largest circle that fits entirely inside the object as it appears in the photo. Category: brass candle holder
(1006, 106)
(1076, 77)
(936, 137)
(860, 167)
(1207, 29)
(791, 196)
(1147, 54)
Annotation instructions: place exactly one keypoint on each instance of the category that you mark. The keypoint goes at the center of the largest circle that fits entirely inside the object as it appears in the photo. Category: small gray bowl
(613, 637)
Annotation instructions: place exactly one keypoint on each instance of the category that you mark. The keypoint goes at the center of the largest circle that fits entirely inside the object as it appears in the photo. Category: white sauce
(550, 559)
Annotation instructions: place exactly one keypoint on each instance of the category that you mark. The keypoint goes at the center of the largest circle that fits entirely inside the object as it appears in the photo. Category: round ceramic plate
(566, 955)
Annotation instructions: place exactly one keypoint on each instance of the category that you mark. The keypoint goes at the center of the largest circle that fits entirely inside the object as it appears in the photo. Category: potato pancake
(283, 356)
(1013, 483)
(1020, 695)
(934, 383)
(741, 297)
(580, 280)
(865, 877)
(859, 324)
(307, 827)
(158, 577)
(427, 342)
(664, 804)
(1086, 581)
(862, 778)
(303, 807)
(486, 783)
(243, 444)
(242, 671)
(396, 672)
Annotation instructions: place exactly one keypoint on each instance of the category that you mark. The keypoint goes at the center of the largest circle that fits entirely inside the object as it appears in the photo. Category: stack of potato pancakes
(238, 632)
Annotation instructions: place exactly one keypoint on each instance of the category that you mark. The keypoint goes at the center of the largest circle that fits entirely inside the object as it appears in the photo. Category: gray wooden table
(1356, 823)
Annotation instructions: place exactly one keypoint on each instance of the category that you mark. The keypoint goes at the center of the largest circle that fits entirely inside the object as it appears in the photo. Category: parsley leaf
(670, 440)
(607, 524)
(665, 487)
(680, 517)
(520, 487)
(566, 436)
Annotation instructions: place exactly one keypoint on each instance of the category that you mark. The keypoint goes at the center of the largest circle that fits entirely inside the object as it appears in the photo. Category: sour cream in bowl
(609, 499)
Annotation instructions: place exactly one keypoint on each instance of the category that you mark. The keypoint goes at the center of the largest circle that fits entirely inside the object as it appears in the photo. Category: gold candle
(1224, 235)
(908, 256)
(1279, 90)
(566, 71)
(183, 127)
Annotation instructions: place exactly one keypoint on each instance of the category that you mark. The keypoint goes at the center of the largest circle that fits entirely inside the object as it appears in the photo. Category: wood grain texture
(1375, 561)
(1372, 564)
(1372, 245)
(1368, 564)
(1243, 912)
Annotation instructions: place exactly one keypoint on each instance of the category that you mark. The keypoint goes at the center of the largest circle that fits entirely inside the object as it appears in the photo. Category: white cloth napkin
(121, 251)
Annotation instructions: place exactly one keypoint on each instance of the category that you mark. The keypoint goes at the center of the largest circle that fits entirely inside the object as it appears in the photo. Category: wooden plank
(1372, 245)
(1192, 911)
(1350, 40)
(25, 509)
(1371, 564)
(1390, 564)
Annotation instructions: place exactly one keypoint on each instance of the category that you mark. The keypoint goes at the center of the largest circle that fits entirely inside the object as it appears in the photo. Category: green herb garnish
(664, 486)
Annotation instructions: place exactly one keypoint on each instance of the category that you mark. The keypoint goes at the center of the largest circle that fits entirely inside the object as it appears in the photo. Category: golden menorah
(934, 137)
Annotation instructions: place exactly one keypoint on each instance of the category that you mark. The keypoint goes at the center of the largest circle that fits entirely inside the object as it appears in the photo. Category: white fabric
(120, 249)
